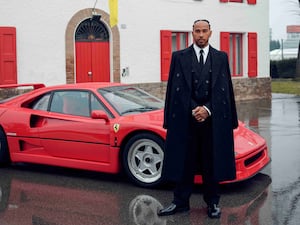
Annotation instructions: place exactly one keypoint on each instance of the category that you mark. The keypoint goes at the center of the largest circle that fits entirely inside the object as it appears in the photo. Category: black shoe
(213, 211)
(172, 209)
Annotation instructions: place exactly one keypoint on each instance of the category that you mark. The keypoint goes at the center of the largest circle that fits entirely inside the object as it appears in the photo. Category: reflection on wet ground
(41, 195)
(278, 121)
(56, 197)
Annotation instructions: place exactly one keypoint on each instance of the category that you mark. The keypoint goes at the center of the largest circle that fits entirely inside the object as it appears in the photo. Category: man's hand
(200, 113)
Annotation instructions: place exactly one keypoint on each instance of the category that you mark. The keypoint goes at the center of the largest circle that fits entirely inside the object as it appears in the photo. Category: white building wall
(142, 21)
(41, 27)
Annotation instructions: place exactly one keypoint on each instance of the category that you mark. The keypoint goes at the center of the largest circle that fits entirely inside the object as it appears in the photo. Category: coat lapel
(187, 60)
(215, 64)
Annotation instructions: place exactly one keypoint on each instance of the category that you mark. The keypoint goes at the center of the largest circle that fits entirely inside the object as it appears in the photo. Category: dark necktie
(201, 60)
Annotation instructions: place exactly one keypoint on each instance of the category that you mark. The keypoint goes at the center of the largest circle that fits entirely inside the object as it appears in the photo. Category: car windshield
(130, 100)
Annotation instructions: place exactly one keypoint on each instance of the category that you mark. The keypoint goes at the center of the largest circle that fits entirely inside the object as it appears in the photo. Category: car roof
(41, 88)
(86, 85)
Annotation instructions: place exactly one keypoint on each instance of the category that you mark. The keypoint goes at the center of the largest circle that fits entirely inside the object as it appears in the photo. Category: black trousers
(199, 157)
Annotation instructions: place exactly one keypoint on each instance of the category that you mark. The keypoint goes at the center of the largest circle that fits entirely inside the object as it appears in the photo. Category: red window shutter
(166, 53)
(223, 0)
(8, 55)
(252, 54)
(225, 42)
(251, 2)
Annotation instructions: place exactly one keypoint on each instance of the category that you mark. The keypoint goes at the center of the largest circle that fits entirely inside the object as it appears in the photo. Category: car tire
(143, 159)
(4, 154)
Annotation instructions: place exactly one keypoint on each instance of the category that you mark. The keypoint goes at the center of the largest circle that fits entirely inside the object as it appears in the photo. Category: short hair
(196, 21)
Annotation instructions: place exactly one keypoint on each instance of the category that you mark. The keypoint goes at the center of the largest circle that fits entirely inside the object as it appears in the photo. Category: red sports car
(105, 127)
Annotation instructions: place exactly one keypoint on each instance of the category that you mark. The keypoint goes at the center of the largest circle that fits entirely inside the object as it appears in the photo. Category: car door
(69, 132)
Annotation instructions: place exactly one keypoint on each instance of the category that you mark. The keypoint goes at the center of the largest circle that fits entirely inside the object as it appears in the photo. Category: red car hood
(147, 119)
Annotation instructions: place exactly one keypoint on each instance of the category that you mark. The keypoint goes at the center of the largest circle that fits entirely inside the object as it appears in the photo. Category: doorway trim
(70, 44)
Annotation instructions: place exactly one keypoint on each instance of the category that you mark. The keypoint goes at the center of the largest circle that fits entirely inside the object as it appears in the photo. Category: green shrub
(285, 68)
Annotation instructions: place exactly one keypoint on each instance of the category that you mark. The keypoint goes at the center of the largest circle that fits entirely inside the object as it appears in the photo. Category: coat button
(207, 81)
(177, 89)
(223, 89)
(196, 81)
(173, 115)
(177, 75)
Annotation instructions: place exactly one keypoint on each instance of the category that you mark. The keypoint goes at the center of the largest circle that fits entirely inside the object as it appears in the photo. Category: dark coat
(178, 113)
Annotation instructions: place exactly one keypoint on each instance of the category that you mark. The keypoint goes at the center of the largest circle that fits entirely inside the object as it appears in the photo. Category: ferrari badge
(116, 127)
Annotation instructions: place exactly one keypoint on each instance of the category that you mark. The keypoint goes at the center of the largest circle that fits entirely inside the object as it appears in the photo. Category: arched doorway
(92, 51)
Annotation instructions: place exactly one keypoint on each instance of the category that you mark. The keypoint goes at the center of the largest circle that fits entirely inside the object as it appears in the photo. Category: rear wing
(9, 91)
(35, 86)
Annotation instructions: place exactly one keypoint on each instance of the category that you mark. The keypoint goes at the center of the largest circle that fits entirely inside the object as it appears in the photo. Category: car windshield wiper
(141, 109)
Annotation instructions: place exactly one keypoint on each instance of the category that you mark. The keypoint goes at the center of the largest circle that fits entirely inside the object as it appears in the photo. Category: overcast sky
(283, 13)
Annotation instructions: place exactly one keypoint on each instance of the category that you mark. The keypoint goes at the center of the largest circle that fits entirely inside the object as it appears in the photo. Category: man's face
(201, 33)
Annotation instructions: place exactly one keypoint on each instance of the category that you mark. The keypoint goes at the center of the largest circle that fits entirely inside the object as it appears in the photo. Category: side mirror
(99, 114)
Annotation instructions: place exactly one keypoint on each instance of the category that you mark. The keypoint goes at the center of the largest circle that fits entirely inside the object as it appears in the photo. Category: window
(169, 42)
(75, 103)
(179, 40)
(232, 1)
(42, 103)
(250, 2)
(72, 102)
(232, 44)
(128, 100)
(235, 54)
(97, 105)
(56, 103)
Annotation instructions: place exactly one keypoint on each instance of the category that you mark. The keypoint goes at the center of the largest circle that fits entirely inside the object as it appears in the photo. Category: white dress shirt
(205, 54)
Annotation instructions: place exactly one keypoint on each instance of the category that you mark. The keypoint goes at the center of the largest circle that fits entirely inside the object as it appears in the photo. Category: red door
(92, 62)
(92, 52)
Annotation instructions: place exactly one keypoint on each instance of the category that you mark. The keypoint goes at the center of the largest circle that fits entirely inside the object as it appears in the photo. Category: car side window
(57, 102)
(42, 103)
(97, 105)
(75, 103)
(72, 102)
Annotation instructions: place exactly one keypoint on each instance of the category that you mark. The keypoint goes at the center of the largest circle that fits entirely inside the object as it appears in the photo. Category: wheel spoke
(157, 159)
(149, 149)
(153, 167)
(143, 166)
(139, 155)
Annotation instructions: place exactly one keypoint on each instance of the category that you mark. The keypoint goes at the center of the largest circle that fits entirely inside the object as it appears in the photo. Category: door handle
(90, 73)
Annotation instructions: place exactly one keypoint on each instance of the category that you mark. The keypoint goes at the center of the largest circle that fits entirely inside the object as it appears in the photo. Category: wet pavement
(41, 195)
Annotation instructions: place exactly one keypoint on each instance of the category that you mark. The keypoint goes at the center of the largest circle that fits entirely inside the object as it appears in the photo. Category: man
(200, 115)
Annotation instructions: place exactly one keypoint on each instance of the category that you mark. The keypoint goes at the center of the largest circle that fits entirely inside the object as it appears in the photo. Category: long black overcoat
(177, 113)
